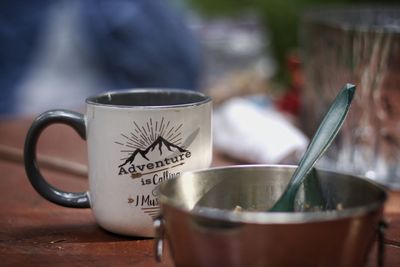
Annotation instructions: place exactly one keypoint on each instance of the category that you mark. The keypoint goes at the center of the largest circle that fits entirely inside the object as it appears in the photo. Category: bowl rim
(256, 217)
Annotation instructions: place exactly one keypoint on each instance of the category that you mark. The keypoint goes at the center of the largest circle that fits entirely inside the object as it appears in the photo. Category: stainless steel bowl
(216, 217)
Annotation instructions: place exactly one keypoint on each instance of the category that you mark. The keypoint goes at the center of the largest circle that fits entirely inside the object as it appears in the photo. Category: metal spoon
(322, 139)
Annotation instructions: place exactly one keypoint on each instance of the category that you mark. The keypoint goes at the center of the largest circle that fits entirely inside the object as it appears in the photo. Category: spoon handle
(323, 137)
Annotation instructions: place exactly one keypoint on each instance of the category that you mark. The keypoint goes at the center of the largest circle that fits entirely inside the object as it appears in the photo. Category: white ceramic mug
(136, 140)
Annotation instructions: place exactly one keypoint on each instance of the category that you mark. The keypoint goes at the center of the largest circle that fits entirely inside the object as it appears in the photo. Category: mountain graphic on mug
(160, 143)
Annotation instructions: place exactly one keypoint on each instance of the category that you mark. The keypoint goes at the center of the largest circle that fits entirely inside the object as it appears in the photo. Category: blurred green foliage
(281, 18)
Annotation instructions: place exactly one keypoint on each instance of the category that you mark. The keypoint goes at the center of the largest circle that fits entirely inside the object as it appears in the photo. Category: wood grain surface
(35, 232)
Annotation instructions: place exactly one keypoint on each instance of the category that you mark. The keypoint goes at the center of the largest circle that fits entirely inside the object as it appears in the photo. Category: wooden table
(35, 232)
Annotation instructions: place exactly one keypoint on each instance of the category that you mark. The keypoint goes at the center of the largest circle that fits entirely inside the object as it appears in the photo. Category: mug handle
(77, 122)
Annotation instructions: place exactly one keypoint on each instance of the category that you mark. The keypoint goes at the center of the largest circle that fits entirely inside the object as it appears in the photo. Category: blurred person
(55, 53)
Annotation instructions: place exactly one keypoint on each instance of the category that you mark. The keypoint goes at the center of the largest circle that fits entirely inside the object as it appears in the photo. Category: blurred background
(55, 53)
(279, 62)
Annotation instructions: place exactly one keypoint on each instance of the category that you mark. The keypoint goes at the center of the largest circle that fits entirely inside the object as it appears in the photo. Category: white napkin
(256, 134)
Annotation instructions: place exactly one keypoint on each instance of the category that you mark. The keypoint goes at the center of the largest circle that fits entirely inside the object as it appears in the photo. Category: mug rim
(95, 99)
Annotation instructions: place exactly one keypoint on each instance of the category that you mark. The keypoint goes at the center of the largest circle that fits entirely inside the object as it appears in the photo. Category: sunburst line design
(170, 131)
(175, 136)
(131, 145)
(127, 137)
(134, 145)
(141, 137)
(145, 139)
(178, 127)
(166, 127)
(140, 130)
